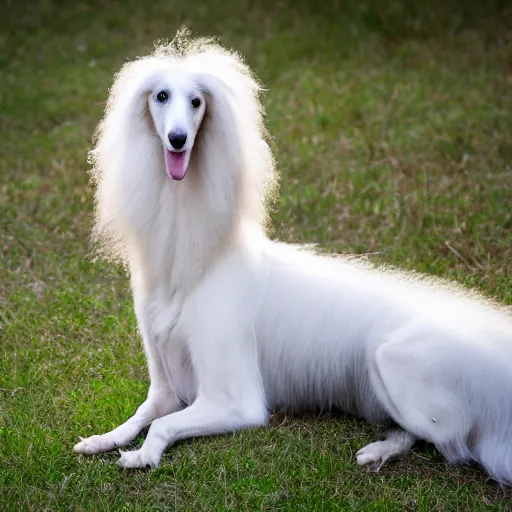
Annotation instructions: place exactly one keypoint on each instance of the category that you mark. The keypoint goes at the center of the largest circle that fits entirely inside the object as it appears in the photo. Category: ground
(392, 130)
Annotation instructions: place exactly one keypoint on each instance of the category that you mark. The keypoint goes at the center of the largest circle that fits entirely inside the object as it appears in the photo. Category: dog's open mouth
(176, 163)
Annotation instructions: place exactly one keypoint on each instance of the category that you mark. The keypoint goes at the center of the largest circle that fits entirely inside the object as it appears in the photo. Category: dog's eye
(162, 96)
(196, 102)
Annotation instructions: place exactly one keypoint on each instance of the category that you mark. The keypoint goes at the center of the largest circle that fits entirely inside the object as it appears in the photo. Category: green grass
(392, 127)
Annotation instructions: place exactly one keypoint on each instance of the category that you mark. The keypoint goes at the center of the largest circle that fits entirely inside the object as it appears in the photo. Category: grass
(392, 128)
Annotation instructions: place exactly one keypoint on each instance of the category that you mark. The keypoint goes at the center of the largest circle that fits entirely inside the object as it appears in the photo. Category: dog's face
(177, 109)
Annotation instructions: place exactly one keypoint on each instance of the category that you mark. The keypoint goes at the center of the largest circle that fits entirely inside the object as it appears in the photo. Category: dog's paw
(138, 459)
(94, 445)
(375, 454)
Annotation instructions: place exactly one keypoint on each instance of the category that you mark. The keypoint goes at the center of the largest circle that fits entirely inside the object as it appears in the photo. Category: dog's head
(176, 108)
(190, 111)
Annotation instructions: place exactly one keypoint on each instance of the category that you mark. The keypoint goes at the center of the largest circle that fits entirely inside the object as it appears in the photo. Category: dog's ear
(216, 93)
(132, 85)
(148, 118)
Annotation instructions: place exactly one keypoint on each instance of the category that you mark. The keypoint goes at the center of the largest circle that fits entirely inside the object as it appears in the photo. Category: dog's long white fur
(236, 326)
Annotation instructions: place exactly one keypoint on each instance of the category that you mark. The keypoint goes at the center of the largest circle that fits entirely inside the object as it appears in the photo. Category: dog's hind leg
(417, 376)
(396, 444)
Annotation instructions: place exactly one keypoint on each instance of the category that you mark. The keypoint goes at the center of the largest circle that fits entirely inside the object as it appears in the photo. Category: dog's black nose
(177, 139)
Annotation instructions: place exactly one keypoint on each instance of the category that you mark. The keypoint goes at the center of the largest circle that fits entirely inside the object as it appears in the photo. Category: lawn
(392, 127)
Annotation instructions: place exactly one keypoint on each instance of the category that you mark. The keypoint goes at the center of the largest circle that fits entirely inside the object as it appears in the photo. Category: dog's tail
(495, 456)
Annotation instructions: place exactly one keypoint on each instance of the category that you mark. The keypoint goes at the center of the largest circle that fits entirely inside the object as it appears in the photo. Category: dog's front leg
(153, 407)
(203, 418)
(230, 395)
(161, 400)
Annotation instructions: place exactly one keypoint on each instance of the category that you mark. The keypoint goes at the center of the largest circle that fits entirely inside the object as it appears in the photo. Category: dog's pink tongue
(176, 164)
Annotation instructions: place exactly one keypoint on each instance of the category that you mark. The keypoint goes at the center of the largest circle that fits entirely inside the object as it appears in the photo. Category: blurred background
(391, 123)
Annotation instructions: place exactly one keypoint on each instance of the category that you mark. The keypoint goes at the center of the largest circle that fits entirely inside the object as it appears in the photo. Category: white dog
(235, 325)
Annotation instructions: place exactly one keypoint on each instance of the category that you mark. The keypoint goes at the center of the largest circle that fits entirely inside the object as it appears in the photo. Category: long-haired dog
(236, 325)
